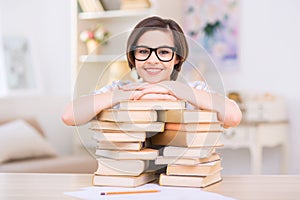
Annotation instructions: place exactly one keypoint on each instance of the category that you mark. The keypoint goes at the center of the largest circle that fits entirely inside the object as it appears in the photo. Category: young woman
(156, 49)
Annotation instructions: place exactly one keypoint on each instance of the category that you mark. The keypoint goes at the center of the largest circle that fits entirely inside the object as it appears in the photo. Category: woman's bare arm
(228, 111)
(85, 108)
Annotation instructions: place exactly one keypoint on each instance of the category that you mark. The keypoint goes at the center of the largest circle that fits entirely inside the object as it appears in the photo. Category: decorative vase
(93, 47)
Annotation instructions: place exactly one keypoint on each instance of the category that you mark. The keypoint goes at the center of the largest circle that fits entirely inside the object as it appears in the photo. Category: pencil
(130, 192)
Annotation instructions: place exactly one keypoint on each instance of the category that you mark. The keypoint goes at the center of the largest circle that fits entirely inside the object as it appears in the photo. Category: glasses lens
(141, 53)
(164, 53)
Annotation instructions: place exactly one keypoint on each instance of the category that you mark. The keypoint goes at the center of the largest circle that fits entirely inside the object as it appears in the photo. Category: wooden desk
(52, 186)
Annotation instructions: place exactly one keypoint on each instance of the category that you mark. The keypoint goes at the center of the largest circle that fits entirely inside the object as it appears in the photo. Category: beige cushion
(59, 164)
(29, 120)
(19, 140)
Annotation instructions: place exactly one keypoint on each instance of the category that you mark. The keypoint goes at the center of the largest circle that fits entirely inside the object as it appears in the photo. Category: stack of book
(122, 154)
(128, 138)
(190, 139)
(122, 136)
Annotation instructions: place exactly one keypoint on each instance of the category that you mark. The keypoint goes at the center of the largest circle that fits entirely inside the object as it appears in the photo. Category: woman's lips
(153, 70)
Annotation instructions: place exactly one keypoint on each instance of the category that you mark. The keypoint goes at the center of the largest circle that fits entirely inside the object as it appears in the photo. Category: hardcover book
(118, 115)
(144, 154)
(187, 116)
(202, 169)
(120, 145)
(164, 160)
(188, 152)
(123, 181)
(108, 166)
(196, 127)
(128, 126)
(190, 181)
(152, 104)
(186, 139)
(120, 137)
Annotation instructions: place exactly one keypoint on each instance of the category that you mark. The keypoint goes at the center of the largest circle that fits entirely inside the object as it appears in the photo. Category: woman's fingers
(148, 91)
(158, 96)
(134, 86)
(137, 95)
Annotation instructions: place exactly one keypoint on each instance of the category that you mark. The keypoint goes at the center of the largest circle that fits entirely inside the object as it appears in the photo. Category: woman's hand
(158, 96)
(148, 91)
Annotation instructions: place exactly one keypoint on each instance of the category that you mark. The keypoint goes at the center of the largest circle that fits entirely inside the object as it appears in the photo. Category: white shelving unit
(88, 68)
(90, 72)
(102, 58)
(114, 14)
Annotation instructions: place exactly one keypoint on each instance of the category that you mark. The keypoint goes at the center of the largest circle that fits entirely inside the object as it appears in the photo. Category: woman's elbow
(233, 119)
(68, 119)
(237, 118)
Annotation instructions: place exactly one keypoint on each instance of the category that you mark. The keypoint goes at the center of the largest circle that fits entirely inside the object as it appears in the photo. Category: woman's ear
(176, 60)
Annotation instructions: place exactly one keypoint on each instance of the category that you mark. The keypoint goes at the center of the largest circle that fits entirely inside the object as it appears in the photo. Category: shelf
(114, 14)
(101, 58)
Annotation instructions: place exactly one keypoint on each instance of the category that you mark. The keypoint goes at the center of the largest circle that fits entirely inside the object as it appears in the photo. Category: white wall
(270, 46)
(46, 24)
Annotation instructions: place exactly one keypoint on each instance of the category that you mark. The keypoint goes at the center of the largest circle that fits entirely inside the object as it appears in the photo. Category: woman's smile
(153, 70)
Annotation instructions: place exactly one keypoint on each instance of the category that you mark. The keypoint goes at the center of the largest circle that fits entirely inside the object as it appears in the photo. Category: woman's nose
(153, 57)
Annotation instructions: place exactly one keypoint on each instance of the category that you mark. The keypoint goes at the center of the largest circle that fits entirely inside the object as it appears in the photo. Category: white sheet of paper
(174, 193)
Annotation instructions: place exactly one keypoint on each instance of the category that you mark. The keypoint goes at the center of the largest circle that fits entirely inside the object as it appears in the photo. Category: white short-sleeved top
(199, 85)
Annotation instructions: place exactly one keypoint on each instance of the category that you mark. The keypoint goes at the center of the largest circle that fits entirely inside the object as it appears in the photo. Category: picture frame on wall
(214, 25)
(19, 75)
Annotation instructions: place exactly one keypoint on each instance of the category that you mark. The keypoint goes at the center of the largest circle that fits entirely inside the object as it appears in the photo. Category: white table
(52, 186)
(257, 135)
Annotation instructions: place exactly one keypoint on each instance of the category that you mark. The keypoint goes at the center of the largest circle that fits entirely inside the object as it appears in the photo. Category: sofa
(33, 138)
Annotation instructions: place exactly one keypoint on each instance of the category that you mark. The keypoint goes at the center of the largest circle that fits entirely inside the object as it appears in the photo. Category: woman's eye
(143, 51)
(164, 52)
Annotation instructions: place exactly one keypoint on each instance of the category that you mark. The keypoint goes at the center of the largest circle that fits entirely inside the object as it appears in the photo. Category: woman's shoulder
(112, 86)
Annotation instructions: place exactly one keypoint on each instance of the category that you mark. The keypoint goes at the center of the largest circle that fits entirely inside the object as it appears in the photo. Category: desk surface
(52, 186)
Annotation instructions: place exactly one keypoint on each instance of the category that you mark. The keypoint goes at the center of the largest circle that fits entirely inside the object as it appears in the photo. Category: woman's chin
(153, 80)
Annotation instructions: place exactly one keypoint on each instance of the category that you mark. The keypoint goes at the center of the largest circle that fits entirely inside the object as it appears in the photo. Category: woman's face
(154, 70)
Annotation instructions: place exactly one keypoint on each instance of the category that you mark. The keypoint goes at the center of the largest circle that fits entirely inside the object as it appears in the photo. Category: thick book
(121, 137)
(164, 160)
(118, 115)
(109, 145)
(144, 154)
(187, 116)
(202, 169)
(98, 7)
(186, 139)
(108, 166)
(152, 104)
(123, 181)
(188, 152)
(196, 127)
(91, 5)
(134, 4)
(190, 181)
(84, 5)
(128, 126)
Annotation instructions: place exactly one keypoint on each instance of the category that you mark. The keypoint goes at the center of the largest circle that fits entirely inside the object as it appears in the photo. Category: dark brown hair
(157, 23)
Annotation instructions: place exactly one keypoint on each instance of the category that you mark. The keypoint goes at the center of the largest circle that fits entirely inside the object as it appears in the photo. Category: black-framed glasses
(163, 53)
